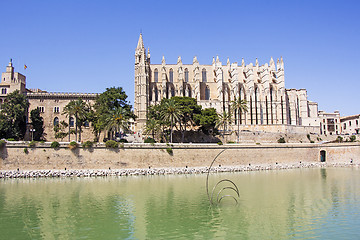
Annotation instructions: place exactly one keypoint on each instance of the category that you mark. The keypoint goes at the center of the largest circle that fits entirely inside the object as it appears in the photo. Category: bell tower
(142, 70)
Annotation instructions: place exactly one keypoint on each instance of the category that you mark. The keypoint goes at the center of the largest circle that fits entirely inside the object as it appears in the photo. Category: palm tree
(171, 112)
(238, 106)
(223, 120)
(117, 120)
(79, 109)
(152, 127)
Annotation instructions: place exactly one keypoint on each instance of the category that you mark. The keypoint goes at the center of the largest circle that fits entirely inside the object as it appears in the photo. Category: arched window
(207, 93)
(204, 75)
(3, 91)
(71, 122)
(56, 121)
(186, 75)
(172, 92)
(86, 123)
(156, 75)
(171, 75)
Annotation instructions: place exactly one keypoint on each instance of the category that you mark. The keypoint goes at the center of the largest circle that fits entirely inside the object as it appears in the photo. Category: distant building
(271, 107)
(330, 123)
(350, 124)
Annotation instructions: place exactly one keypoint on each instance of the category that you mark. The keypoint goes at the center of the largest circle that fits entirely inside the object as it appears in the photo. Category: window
(344, 126)
(349, 123)
(71, 122)
(86, 123)
(3, 91)
(207, 93)
(41, 109)
(56, 121)
(357, 122)
(171, 75)
(186, 75)
(204, 75)
(56, 109)
(156, 75)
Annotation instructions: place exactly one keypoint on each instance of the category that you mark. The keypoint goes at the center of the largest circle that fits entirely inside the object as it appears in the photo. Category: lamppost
(32, 133)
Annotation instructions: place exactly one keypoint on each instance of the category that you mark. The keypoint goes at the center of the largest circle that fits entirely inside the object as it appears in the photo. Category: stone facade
(270, 104)
(350, 124)
(330, 123)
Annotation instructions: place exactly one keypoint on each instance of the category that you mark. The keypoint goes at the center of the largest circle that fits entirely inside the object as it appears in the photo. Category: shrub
(121, 145)
(111, 144)
(352, 138)
(32, 144)
(169, 151)
(231, 142)
(87, 144)
(311, 141)
(73, 145)
(55, 145)
(26, 151)
(308, 137)
(149, 140)
(2, 143)
(219, 143)
(339, 139)
(123, 140)
(42, 141)
(11, 139)
(281, 140)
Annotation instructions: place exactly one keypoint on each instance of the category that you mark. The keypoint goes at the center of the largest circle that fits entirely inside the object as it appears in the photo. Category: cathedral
(271, 107)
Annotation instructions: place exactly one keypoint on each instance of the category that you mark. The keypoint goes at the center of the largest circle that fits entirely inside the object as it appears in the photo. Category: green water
(286, 204)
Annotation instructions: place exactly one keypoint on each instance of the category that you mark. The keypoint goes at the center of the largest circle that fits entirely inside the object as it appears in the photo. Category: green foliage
(237, 107)
(121, 145)
(111, 144)
(26, 151)
(13, 116)
(149, 140)
(339, 139)
(169, 151)
(37, 124)
(73, 145)
(87, 144)
(80, 110)
(60, 130)
(2, 144)
(230, 142)
(109, 103)
(207, 120)
(32, 144)
(308, 137)
(11, 139)
(281, 140)
(219, 143)
(123, 140)
(55, 145)
(352, 138)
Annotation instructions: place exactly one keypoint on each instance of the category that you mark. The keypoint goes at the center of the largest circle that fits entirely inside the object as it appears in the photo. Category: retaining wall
(156, 156)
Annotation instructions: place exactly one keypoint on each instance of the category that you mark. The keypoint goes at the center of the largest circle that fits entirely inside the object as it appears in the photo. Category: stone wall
(191, 155)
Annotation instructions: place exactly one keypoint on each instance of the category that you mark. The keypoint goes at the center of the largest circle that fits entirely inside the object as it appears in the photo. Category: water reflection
(303, 203)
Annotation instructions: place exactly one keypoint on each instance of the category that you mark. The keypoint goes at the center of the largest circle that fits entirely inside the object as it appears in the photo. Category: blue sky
(87, 46)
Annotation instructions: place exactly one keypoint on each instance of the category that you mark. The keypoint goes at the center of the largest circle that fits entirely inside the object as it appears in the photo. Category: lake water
(285, 204)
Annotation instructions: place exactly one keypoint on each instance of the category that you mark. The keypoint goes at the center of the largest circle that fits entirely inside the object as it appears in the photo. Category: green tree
(207, 120)
(37, 123)
(59, 130)
(107, 102)
(224, 119)
(238, 106)
(170, 112)
(117, 120)
(79, 109)
(188, 108)
(153, 127)
(13, 116)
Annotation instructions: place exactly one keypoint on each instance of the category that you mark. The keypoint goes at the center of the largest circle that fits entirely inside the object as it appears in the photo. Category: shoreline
(78, 173)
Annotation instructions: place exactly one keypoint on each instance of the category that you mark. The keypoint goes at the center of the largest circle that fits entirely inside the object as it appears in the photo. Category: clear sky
(87, 46)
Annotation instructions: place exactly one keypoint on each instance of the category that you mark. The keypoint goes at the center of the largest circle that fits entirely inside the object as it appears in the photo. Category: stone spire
(163, 60)
(242, 62)
(217, 59)
(228, 62)
(148, 53)
(195, 60)
(272, 64)
(213, 61)
(179, 60)
(140, 44)
(257, 63)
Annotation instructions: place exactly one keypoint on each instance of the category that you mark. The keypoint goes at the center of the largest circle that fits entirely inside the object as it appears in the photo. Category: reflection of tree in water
(323, 173)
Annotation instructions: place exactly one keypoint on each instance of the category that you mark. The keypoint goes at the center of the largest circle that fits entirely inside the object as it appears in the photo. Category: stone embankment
(4, 174)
